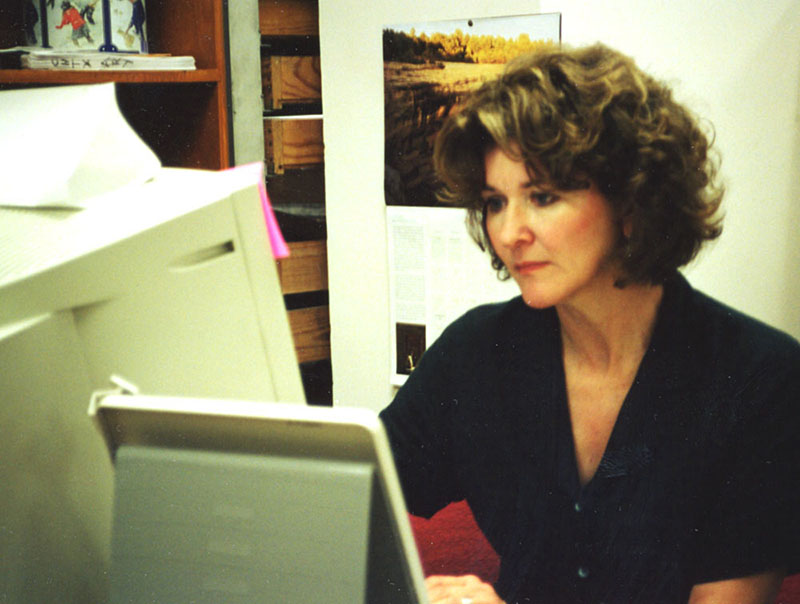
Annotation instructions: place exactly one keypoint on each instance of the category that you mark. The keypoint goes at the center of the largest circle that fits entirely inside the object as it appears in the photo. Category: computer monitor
(247, 502)
(170, 285)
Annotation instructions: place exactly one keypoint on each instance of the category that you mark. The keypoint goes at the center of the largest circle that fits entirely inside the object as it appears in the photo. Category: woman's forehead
(537, 173)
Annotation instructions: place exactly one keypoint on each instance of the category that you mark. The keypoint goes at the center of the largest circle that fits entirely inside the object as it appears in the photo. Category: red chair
(790, 591)
(451, 543)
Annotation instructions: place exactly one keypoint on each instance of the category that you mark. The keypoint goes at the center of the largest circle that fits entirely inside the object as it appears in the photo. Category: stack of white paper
(66, 144)
(82, 60)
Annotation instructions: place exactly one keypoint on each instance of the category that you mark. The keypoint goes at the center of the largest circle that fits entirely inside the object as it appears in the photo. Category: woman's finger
(463, 589)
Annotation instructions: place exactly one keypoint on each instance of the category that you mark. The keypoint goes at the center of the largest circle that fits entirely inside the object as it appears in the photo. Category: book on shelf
(84, 60)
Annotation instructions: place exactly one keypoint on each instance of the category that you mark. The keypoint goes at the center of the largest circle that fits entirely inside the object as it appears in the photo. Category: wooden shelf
(182, 115)
(51, 77)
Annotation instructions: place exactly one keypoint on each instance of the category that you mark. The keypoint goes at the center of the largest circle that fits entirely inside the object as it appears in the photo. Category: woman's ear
(627, 226)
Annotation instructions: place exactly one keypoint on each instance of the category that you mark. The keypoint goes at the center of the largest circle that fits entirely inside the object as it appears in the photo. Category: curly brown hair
(590, 114)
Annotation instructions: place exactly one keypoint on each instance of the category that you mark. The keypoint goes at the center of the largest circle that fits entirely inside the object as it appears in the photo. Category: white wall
(735, 63)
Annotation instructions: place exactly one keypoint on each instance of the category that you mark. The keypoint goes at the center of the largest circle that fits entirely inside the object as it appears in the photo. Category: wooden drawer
(305, 269)
(292, 143)
(311, 331)
(288, 17)
(290, 80)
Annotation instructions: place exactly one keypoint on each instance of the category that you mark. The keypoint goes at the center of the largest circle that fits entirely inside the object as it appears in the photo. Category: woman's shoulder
(735, 341)
(742, 332)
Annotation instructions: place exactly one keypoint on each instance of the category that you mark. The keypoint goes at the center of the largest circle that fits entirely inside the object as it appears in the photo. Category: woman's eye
(542, 198)
(492, 205)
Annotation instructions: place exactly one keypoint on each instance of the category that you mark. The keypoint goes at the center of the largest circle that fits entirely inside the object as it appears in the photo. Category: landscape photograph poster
(436, 272)
(428, 70)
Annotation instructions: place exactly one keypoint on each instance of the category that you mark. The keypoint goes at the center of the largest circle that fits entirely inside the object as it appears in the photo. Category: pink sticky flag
(278, 243)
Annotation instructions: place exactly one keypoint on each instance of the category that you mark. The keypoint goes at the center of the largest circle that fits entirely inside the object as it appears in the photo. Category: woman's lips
(529, 267)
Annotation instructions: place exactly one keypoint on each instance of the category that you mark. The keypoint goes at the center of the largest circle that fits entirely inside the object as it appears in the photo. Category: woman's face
(557, 245)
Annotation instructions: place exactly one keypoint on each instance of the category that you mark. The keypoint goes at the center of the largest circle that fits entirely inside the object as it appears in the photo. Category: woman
(619, 436)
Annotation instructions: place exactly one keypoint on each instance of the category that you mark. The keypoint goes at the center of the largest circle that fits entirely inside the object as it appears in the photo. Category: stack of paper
(46, 166)
(82, 60)
(66, 144)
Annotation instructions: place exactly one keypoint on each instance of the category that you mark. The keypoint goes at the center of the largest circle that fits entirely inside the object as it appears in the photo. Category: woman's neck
(610, 332)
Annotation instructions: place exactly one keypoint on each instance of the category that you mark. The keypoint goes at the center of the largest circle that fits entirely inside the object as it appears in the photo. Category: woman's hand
(762, 588)
(466, 589)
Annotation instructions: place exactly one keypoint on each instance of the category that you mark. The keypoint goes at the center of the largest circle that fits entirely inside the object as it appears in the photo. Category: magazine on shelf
(99, 61)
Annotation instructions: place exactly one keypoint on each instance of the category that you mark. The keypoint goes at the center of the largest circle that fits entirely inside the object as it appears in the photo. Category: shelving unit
(182, 115)
(185, 117)
(294, 154)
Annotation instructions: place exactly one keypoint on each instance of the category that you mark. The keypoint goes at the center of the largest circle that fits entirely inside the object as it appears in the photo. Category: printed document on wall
(436, 273)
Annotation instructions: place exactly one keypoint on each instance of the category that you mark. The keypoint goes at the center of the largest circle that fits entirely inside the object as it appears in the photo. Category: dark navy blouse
(700, 480)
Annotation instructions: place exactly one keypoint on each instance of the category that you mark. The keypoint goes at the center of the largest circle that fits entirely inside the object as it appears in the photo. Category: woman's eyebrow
(531, 184)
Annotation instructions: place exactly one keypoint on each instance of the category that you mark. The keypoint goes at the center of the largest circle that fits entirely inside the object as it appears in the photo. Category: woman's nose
(516, 226)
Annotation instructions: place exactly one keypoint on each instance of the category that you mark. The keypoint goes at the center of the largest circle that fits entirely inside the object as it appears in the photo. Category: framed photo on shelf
(112, 25)
(128, 25)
